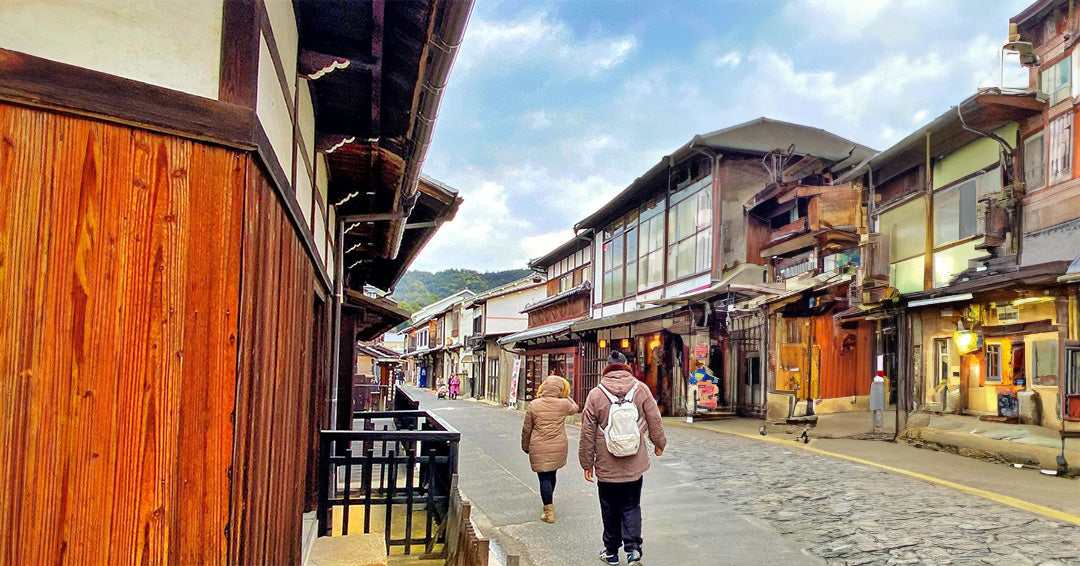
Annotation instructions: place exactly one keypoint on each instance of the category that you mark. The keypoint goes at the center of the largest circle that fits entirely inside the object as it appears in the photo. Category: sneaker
(609, 558)
(633, 558)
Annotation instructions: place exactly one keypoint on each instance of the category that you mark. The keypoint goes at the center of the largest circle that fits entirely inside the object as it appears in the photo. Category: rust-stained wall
(136, 271)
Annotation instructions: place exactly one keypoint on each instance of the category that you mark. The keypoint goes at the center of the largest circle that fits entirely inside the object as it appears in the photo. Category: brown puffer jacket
(593, 452)
(543, 435)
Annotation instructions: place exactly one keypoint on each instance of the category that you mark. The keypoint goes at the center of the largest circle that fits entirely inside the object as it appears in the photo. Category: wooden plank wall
(118, 341)
(845, 368)
(273, 425)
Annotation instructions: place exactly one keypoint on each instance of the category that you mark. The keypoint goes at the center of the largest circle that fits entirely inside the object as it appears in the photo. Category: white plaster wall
(272, 109)
(168, 43)
(330, 259)
(286, 36)
(319, 227)
(306, 116)
(504, 312)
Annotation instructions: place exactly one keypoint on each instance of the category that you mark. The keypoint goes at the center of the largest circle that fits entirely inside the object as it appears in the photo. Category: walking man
(616, 459)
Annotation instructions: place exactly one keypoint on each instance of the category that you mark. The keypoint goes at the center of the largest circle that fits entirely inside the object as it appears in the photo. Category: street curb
(997, 497)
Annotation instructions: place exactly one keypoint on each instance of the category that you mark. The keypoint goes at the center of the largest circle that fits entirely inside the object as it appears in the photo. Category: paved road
(719, 499)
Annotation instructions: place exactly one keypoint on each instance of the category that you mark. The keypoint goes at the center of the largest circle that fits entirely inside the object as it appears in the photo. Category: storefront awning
(623, 319)
(553, 329)
(938, 300)
(1072, 274)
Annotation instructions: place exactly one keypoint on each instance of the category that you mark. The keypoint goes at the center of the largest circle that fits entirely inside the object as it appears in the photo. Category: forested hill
(418, 289)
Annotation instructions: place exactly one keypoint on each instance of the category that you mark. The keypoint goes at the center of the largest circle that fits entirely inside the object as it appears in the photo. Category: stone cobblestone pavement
(851, 514)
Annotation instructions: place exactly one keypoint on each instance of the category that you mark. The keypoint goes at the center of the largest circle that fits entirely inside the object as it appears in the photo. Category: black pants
(547, 486)
(620, 508)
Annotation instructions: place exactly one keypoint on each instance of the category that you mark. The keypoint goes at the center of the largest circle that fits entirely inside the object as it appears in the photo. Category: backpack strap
(611, 397)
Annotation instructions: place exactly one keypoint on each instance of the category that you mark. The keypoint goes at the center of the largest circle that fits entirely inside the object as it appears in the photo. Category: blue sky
(554, 107)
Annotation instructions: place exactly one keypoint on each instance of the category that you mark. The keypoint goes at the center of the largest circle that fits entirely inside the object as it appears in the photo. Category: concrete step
(349, 550)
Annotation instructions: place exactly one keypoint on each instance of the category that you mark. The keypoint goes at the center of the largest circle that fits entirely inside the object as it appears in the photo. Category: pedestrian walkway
(839, 435)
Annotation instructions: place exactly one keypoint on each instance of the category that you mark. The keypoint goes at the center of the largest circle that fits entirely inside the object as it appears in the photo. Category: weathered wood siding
(118, 342)
(275, 390)
(153, 293)
(843, 356)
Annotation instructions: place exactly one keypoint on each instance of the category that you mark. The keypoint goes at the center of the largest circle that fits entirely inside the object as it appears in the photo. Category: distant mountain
(418, 289)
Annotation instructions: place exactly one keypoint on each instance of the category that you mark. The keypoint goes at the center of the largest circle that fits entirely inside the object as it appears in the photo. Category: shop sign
(514, 381)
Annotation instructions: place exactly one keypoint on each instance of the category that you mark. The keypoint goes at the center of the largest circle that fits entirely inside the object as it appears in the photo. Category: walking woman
(543, 436)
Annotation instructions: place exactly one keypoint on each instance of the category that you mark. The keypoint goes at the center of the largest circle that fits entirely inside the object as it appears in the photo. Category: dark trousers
(620, 508)
(547, 486)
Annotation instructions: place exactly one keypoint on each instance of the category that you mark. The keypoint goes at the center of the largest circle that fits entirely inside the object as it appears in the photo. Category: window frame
(1058, 144)
(1041, 153)
(993, 364)
(702, 226)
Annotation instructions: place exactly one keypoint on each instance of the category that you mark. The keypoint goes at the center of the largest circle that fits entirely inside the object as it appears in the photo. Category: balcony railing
(392, 473)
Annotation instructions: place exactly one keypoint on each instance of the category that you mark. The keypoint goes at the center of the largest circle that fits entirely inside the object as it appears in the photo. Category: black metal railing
(395, 468)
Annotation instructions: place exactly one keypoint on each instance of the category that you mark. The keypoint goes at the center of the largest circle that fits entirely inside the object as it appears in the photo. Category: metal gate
(748, 358)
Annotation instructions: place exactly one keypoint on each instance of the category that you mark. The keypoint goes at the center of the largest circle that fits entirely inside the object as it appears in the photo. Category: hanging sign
(514, 381)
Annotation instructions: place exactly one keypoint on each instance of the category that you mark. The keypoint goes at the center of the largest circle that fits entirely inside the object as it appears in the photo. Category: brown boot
(549, 514)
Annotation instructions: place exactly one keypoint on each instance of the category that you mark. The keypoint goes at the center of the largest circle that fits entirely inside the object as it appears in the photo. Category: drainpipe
(339, 295)
(442, 47)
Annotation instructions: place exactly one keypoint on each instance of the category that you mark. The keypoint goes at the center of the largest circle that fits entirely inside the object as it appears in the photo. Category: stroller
(442, 390)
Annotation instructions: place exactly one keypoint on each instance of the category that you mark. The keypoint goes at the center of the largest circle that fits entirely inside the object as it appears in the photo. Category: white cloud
(537, 120)
(729, 59)
(539, 39)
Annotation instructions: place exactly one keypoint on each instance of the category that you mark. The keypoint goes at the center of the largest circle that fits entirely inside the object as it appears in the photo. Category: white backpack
(622, 434)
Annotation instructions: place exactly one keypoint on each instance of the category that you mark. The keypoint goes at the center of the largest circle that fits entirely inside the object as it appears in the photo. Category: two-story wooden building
(678, 237)
(192, 198)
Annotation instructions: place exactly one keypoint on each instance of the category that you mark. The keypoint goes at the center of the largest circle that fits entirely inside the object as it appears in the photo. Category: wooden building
(679, 237)
(174, 184)
(548, 346)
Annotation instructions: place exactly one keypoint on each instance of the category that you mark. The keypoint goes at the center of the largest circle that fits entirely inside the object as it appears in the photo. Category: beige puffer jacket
(543, 435)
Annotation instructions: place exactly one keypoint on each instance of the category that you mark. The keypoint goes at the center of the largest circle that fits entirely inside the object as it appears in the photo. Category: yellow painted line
(1004, 499)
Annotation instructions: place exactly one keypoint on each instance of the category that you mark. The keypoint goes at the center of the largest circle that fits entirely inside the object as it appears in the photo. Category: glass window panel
(608, 247)
(946, 216)
(631, 245)
(1046, 362)
(608, 278)
(686, 257)
(631, 219)
(617, 283)
(1034, 162)
(631, 277)
(672, 218)
(686, 218)
(989, 182)
(616, 253)
(949, 263)
(907, 276)
(704, 209)
(704, 251)
(967, 209)
(656, 268)
(656, 234)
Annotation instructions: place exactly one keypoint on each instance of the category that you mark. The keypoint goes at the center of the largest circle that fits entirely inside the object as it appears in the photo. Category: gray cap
(616, 357)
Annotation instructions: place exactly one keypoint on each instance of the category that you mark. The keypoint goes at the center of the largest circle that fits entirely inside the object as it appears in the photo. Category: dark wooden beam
(42, 83)
(1024, 102)
(239, 75)
(314, 66)
(378, 27)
